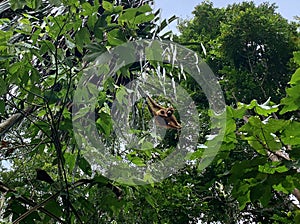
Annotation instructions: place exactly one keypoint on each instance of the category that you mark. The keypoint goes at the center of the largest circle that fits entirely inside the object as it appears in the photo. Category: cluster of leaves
(272, 173)
(44, 48)
(256, 170)
(249, 47)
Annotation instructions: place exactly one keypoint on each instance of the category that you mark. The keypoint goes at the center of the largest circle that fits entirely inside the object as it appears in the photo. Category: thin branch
(14, 119)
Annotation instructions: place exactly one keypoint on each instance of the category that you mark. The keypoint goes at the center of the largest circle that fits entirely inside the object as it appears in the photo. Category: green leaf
(35, 91)
(137, 161)
(5, 57)
(100, 179)
(4, 21)
(297, 57)
(14, 68)
(17, 4)
(197, 154)
(121, 95)
(263, 109)
(82, 37)
(95, 50)
(4, 38)
(150, 200)
(107, 6)
(3, 86)
(292, 101)
(291, 182)
(290, 104)
(118, 9)
(254, 143)
(261, 192)
(46, 46)
(105, 123)
(274, 125)
(239, 112)
(128, 15)
(280, 188)
(260, 134)
(291, 135)
(70, 159)
(85, 166)
(53, 207)
(145, 8)
(143, 18)
(297, 216)
(116, 37)
(34, 4)
(92, 21)
(281, 169)
(147, 145)
(243, 200)
(87, 9)
(245, 166)
(271, 168)
(295, 77)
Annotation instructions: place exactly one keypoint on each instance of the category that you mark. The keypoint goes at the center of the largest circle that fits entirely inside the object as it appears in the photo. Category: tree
(249, 47)
(252, 164)
(44, 48)
(45, 176)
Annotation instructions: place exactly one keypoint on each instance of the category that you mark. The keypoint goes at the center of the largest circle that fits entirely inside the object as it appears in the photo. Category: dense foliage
(249, 47)
(45, 47)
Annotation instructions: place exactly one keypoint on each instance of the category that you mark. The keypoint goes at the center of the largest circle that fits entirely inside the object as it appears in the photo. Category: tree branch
(6, 125)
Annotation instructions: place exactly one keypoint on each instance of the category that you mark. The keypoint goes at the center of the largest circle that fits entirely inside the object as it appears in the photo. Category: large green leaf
(82, 38)
(291, 135)
(107, 6)
(116, 37)
(85, 166)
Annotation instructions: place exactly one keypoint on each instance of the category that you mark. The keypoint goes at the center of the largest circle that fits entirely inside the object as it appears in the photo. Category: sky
(183, 8)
